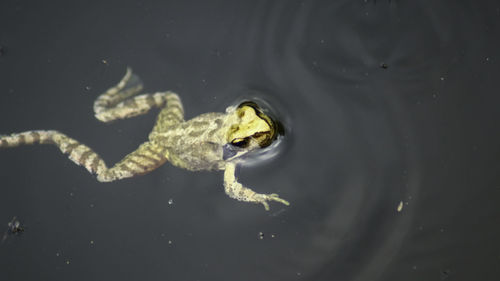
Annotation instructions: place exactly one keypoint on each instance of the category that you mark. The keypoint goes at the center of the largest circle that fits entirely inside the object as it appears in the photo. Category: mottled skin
(211, 141)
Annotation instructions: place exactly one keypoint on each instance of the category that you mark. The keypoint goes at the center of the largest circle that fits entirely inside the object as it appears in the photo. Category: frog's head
(250, 128)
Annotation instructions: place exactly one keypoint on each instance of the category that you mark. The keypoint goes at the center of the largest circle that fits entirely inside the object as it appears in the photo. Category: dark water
(385, 102)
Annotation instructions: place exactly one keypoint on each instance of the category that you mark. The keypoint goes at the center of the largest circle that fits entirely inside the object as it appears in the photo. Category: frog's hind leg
(130, 85)
(120, 101)
(171, 115)
(143, 160)
(78, 153)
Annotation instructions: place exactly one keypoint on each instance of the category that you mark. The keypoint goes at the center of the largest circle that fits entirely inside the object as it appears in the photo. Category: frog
(214, 141)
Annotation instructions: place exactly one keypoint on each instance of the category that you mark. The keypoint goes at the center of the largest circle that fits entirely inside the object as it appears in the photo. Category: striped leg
(78, 153)
(145, 159)
(172, 114)
(118, 102)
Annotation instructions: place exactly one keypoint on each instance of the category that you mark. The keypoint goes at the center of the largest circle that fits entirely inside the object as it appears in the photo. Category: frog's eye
(242, 143)
(264, 139)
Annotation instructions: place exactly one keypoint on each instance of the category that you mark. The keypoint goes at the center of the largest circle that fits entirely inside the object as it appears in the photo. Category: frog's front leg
(237, 191)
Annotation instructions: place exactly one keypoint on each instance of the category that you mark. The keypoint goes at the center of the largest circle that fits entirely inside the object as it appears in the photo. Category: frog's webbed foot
(122, 100)
(237, 191)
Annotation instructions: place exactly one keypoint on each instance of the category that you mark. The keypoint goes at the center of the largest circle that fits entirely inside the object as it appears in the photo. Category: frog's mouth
(267, 131)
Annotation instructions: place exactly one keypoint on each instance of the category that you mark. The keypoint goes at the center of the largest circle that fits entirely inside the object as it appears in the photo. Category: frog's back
(195, 144)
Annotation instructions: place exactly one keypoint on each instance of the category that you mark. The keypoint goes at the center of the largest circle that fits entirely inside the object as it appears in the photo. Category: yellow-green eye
(264, 139)
(241, 142)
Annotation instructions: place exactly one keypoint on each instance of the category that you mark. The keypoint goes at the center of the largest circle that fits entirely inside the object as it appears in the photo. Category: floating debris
(445, 273)
(400, 206)
(14, 227)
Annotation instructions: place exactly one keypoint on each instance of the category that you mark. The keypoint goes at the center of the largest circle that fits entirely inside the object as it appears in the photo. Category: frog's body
(211, 141)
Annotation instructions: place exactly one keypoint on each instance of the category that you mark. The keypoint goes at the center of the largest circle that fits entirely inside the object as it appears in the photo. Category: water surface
(390, 160)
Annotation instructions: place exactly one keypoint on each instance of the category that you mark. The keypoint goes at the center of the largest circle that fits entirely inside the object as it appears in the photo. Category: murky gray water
(385, 103)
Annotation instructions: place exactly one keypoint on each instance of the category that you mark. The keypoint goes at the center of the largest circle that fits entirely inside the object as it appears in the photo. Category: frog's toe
(264, 198)
(275, 197)
(266, 206)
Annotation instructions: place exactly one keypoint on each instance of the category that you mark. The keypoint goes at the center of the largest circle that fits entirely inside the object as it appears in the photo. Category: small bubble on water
(170, 201)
